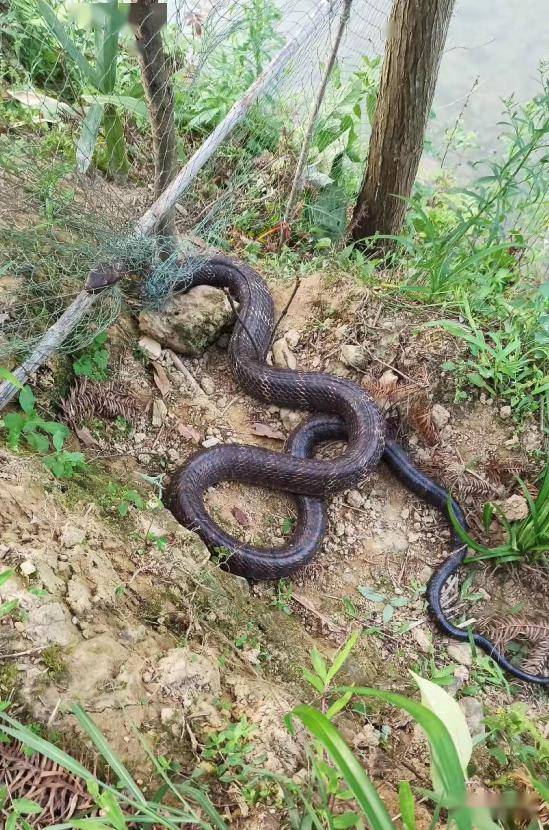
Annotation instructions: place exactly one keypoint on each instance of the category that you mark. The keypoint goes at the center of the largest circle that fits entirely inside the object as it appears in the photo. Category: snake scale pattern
(343, 411)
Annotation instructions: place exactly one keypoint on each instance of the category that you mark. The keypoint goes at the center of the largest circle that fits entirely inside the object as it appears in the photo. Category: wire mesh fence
(85, 137)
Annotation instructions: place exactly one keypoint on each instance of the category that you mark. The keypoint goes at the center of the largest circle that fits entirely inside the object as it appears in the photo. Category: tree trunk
(148, 18)
(417, 33)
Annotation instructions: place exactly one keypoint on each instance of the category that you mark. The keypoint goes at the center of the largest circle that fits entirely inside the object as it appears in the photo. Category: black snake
(348, 413)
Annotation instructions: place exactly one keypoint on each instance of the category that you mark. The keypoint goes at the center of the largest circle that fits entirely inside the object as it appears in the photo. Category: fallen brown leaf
(84, 435)
(241, 517)
(266, 431)
(189, 433)
(161, 379)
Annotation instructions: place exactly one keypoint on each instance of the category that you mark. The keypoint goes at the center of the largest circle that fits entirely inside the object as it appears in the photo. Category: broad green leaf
(370, 593)
(356, 779)
(7, 607)
(88, 136)
(135, 106)
(314, 680)
(5, 576)
(26, 807)
(341, 656)
(9, 377)
(26, 399)
(436, 699)
(67, 43)
(319, 663)
(38, 442)
(445, 758)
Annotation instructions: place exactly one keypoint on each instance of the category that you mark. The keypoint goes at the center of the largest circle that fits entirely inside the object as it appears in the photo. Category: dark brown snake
(347, 413)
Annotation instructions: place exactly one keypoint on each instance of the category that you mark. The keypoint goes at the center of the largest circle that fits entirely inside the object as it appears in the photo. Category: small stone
(414, 537)
(423, 640)
(139, 437)
(72, 536)
(505, 412)
(283, 357)
(188, 323)
(159, 412)
(515, 508)
(474, 715)
(27, 568)
(440, 416)
(166, 714)
(461, 676)
(211, 442)
(151, 347)
(425, 574)
(405, 513)
(340, 529)
(461, 653)
(173, 454)
(290, 419)
(388, 380)
(292, 338)
(207, 385)
(355, 498)
(355, 357)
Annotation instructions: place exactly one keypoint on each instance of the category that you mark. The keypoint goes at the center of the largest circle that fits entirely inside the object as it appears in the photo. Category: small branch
(306, 146)
(243, 324)
(287, 306)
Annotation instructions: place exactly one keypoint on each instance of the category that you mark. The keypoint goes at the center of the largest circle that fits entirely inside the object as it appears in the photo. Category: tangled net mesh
(76, 146)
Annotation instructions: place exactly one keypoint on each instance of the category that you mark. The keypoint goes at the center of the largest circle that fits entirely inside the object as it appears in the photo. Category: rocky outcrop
(189, 322)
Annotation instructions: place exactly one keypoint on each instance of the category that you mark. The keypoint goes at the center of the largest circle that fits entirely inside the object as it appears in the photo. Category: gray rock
(505, 412)
(461, 653)
(189, 322)
(474, 715)
(72, 536)
(290, 419)
(422, 639)
(283, 357)
(356, 357)
(461, 676)
(51, 623)
(440, 416)
(159, 412)
(355, 498)
(187, 676)
(78, 596)
(151, 347)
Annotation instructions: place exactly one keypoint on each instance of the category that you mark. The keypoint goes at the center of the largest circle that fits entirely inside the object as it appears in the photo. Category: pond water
(493, 49)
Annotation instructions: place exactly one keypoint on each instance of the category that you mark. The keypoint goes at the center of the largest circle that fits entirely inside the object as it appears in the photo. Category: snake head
(103, 276)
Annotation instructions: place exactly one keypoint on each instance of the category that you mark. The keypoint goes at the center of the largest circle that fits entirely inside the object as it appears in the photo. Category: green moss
(54, 660)
(9, 674)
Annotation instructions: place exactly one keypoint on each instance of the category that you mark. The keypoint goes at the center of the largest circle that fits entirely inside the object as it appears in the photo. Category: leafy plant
(323, 675)
(123, 498)
(7, 607)
(230, 71)
(390, 603)
(44, 437)
(283, 596)
(176, 804)
(93, 361)
(103, 104)
(526, 538)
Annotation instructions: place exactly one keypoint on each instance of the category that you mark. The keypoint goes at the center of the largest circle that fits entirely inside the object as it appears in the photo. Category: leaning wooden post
(417, 33)
(54, 337)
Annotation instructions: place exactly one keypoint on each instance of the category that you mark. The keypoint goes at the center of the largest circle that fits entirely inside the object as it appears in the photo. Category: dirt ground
(130, 616)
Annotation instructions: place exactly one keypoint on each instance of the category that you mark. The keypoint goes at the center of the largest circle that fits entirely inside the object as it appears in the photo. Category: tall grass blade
(105, 750)
(356, 779)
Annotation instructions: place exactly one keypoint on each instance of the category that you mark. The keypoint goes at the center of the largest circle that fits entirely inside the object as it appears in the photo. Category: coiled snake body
(348, 413)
